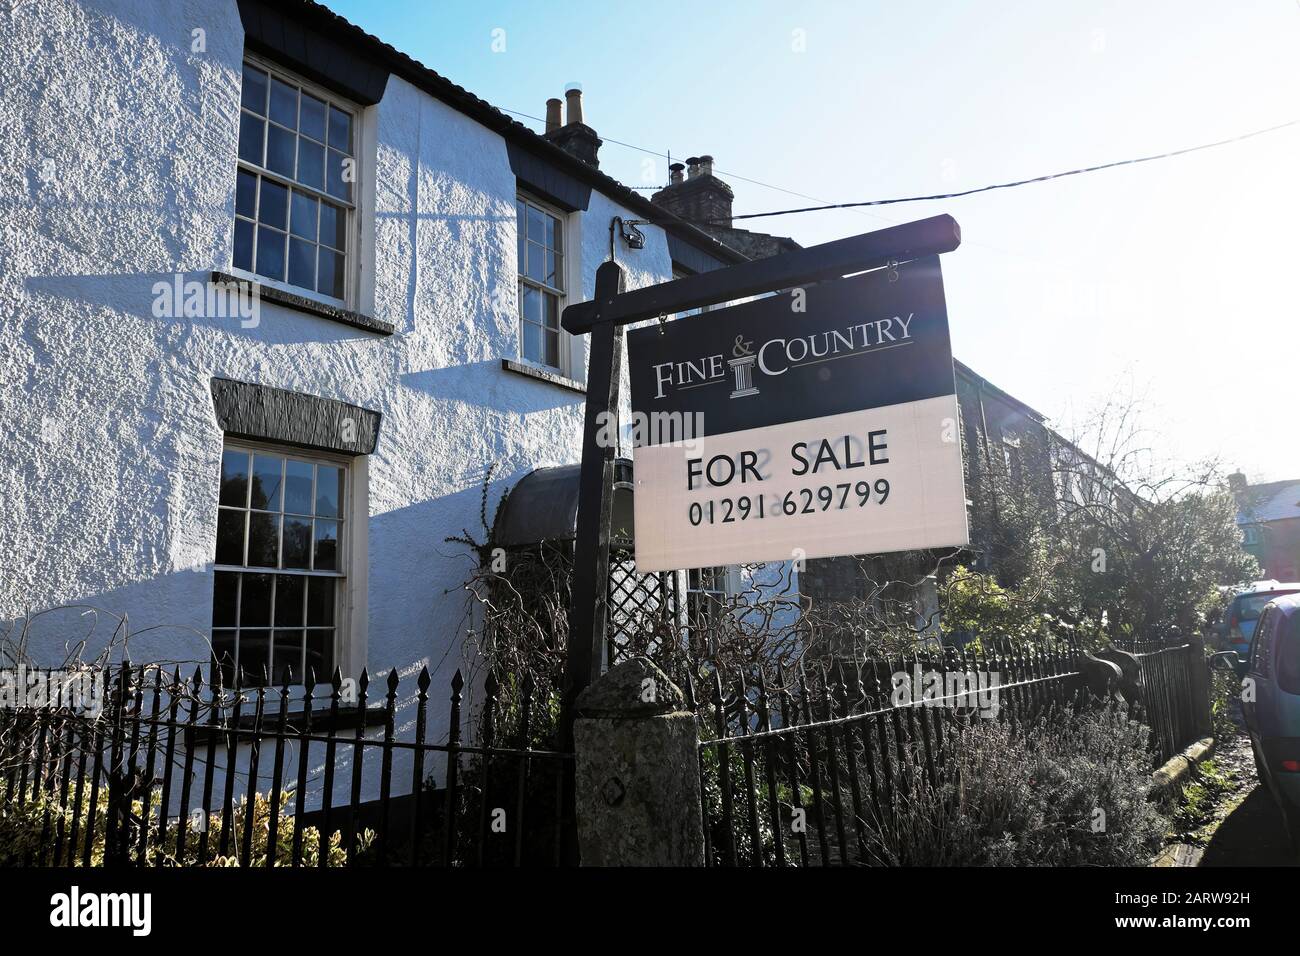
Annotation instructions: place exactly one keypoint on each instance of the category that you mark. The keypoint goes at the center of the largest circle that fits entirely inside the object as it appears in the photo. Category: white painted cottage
(278, 474)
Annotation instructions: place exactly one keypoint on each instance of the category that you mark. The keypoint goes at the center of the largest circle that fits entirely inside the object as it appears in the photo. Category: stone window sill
(301, 303)
(554, 378)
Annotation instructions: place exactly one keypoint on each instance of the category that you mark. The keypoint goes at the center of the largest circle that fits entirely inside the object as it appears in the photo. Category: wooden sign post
(589, 589)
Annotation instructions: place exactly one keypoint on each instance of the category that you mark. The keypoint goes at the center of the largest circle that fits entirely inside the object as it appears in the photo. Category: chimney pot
(573, 103)
(571, 134)
(675, 173)
(692, 167)
(706, 165)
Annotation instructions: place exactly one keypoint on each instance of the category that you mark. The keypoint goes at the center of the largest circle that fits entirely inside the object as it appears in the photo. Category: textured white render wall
(118, 140)
(123, 145)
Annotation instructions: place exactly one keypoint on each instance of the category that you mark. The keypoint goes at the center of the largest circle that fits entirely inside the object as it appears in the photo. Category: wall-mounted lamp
(633, 236)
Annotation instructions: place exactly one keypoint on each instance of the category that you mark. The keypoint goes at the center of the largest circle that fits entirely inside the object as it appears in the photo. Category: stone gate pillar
(638, 777)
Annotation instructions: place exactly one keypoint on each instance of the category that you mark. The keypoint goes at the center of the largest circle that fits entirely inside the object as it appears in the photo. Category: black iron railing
(173, 772)
(1165, 701)
(809, 771)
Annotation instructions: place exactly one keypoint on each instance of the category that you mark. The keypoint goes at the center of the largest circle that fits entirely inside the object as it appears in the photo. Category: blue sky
(1174, 280)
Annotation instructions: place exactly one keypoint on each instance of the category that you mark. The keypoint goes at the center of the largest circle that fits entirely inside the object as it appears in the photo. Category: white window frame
(568, 362)
(349, 651)
(360, 189)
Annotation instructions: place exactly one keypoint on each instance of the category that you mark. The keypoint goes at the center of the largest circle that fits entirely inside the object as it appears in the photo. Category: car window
(1260, 642)
(1249, 606)
(1287, 656)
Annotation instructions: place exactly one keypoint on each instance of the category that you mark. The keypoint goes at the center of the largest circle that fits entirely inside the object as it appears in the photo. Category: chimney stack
(574, 136)
(698, 195)
(553, 120)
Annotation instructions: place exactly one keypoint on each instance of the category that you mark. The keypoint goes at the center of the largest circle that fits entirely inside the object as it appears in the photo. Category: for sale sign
(812, 423)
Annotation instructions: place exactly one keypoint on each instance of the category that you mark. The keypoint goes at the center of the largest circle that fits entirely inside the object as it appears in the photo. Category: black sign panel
(865, 342)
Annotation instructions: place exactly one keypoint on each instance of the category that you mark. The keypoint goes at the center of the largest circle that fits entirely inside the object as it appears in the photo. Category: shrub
(25, 834)
(260, 844)
(1225, 690)
(1029, 795)
(741, 838)
(975, 604)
